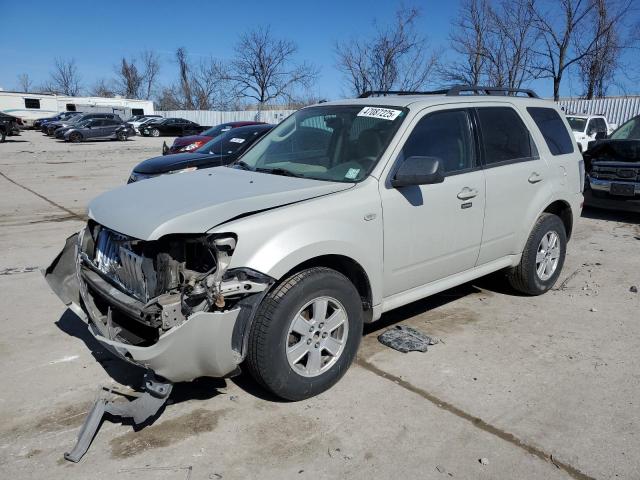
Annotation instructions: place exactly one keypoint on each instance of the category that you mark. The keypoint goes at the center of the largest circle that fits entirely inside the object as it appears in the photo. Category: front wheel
(542, 258)
(306, 334)
(3, 136)
(155, 132)
(75, 137)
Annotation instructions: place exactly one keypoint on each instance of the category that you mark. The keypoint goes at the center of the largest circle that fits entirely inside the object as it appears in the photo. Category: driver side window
(445, 135)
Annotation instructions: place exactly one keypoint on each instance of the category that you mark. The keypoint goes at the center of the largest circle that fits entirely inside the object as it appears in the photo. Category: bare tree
(200, 85)
(24, 83)
(561, 32)
(129, 80)
(395, 57)
(102, 88)
(495, 43)
(510, 52)
(263, 68)
(598, 66)
(65, 78)
(150, 71)
(469, 38)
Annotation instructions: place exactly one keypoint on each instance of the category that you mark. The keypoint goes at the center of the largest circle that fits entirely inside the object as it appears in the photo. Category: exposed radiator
(125, 267)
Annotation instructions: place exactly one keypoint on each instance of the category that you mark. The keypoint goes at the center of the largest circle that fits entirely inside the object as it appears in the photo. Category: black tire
(155, 132)
(3, 136)
(75, 137)
(524, 277)
(266, 358)
(122, 136)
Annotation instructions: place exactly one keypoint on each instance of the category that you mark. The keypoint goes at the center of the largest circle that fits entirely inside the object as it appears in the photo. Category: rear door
(517, 179)
(110, 127)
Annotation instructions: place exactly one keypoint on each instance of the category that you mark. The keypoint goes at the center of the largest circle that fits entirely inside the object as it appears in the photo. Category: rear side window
(505, 137)
(553, 130)
(444, 135)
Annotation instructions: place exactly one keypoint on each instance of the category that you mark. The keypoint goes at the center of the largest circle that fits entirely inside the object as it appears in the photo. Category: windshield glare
(333, 143)
(628, 131)
(229, 143)
(577, 124)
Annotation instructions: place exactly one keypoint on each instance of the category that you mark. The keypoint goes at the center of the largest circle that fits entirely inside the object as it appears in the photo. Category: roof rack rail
(382, 93)
(455, 91)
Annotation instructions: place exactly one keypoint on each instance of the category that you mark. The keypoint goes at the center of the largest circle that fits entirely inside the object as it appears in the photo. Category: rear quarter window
(505, 137)
(553, 130)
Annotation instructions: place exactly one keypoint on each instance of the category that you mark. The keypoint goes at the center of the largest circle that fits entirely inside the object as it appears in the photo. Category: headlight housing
(191, 147)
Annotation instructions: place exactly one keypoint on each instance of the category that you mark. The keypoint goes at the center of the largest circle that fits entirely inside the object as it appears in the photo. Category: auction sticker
(377, 112)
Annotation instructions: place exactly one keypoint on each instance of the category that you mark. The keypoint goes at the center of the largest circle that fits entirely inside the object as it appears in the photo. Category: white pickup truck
(587, 128)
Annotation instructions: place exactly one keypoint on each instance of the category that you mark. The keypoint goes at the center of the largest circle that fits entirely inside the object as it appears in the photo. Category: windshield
(217, 130)
(333, 143)
(628, 131)
(231, 142)
(577, 124)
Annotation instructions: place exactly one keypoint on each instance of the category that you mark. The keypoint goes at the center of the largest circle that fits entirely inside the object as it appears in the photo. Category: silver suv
(342, 212)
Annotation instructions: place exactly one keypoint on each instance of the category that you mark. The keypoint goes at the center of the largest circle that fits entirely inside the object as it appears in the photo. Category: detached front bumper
(200, 346)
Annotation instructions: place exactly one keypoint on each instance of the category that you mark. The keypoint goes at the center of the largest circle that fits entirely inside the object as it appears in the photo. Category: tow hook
(140, 407)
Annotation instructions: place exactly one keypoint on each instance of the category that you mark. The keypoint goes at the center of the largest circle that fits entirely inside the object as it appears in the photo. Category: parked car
(613, 168)
(171, 127)
(222, 150)
(194, 142)
(40, 122)
(587, 128)
(97, 128)
(135, 118)
(9, 125)
(142, 119)
(52, 127)
(343, 211)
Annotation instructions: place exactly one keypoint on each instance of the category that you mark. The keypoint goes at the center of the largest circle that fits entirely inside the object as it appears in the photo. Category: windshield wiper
(243, 165)
(279, 171)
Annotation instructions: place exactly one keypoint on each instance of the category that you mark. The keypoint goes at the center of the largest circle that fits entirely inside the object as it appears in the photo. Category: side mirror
(601, 135)
(418, 171)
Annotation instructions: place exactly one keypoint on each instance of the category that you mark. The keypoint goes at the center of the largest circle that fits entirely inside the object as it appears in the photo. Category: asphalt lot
(545, 387)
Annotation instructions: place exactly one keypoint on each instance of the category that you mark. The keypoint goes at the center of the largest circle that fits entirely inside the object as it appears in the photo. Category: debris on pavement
(484, 461)
(593, 309)
(633, 289)
(14, 270)
(406, 339)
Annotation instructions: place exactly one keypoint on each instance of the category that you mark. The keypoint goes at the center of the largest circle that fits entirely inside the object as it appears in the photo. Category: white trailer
(31, 106)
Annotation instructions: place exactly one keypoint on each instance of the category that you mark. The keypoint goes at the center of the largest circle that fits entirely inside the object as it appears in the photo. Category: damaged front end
(171, 305)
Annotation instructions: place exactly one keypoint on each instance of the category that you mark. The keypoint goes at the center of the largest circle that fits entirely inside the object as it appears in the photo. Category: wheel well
(350, 269)
(562, 210)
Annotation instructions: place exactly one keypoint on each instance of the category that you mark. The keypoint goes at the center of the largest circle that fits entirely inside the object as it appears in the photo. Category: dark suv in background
(52, 127)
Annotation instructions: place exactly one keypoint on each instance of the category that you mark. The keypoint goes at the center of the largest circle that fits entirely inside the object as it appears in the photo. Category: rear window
(504, 136)
(553, 130)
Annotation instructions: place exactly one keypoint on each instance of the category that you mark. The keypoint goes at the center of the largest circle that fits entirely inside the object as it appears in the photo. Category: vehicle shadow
(595, 213)
(10, 140)
(131, 375)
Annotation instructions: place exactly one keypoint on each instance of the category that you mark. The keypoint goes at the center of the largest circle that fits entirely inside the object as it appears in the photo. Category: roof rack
(456, 91)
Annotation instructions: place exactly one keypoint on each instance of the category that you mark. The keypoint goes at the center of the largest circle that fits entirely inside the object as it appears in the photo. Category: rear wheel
(542, 258)
(122, 136)
(306, 334)
(3, 136)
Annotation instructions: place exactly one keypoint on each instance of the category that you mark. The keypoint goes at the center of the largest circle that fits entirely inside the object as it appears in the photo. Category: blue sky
(97, 34)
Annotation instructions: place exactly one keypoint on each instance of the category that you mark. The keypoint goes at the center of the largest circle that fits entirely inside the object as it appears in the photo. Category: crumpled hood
(197, 201)
(615, 150)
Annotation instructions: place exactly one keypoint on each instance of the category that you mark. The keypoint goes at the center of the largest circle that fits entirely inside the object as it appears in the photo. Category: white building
(31, 106)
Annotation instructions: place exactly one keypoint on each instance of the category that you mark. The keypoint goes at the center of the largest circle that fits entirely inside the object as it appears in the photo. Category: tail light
(583, 175)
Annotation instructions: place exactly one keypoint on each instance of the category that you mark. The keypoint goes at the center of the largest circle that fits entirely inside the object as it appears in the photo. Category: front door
(433, 231)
